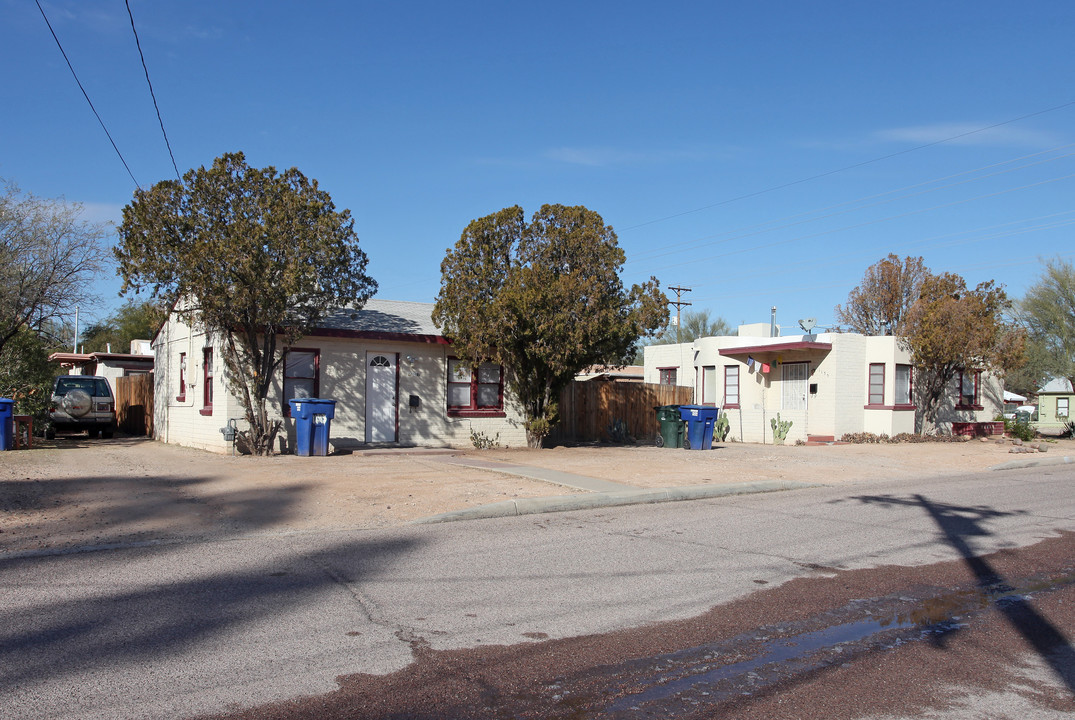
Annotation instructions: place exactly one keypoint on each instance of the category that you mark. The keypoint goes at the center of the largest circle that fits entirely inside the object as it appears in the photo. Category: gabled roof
(1057, 385)
(382, 319)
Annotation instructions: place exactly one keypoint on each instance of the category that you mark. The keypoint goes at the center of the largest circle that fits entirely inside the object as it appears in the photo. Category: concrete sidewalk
(596, 493)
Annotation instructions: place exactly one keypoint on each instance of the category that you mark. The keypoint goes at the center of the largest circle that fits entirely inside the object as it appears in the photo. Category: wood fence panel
(587, 409)
(134, 404)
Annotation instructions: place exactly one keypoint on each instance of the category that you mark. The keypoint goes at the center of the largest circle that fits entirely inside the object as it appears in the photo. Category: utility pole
(678, 302)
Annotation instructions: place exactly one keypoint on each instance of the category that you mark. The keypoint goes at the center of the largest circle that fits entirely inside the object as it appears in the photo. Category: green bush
(1021, 430)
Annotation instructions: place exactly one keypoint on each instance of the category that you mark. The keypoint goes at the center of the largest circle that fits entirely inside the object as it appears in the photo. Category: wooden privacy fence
(134, 404)
(587, 409)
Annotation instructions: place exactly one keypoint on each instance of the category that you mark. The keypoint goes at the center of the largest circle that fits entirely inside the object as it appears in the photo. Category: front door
(381, 395)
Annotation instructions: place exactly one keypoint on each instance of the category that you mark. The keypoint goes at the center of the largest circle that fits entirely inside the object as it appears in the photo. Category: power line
(151, 93)
(86, 95)
(852, 167)
(849, 205)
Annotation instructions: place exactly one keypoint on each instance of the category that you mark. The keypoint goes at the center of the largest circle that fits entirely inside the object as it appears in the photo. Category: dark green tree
(133, 320)
(257, 257)
(545, 300)
(26, 374)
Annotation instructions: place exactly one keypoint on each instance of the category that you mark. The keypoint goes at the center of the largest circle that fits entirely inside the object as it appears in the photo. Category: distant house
(609, 373)
(1055, 403)
(827, 384)
(393, 375)
(139, 361)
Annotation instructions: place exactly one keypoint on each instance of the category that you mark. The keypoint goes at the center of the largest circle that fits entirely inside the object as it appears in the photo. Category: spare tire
(76, 403)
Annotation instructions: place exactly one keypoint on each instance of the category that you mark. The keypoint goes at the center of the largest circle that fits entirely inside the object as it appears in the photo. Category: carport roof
(776, 347)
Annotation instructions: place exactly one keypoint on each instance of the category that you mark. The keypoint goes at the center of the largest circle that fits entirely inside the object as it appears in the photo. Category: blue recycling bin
(7, 424)
(313, 424)
(700, 421)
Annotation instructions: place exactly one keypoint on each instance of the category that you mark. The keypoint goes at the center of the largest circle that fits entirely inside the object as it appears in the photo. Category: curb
(1014, 464)
(589, 501)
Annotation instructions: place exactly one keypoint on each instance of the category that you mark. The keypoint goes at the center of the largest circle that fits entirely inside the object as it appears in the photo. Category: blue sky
(759, 153)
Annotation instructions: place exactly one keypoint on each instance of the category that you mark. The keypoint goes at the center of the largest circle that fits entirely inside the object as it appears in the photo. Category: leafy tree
(48, 261)
(545, 300)
(256, 256)
(1048, 313)
(26, 374)
(1033, 372)
(951, 328)
(132, 321)
(881, 302)
(694, 324)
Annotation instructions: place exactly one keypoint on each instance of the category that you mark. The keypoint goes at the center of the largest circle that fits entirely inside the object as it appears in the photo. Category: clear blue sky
(761, 153)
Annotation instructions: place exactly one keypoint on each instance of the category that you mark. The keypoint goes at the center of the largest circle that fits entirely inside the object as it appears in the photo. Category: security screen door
(793, 380)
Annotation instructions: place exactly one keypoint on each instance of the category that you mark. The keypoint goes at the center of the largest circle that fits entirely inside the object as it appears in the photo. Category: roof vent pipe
(772, 322)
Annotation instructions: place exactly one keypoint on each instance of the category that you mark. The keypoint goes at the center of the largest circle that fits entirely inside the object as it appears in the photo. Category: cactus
(720, 430)
(780, 429)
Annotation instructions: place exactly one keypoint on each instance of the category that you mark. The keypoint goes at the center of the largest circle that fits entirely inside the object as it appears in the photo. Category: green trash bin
(672, 426)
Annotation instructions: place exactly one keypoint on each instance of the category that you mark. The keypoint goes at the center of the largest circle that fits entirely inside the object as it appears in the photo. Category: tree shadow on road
(958, 525)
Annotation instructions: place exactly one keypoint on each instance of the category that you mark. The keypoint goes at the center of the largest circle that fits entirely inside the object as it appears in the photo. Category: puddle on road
(686, 681)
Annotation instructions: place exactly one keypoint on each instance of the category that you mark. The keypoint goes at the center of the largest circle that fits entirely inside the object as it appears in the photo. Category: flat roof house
(827, 384)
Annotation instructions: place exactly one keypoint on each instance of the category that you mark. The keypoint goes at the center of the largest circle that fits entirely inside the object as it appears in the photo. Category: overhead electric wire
(851, 167)
(86, 95)
(812, 216)
(151, 93)
(870, 222)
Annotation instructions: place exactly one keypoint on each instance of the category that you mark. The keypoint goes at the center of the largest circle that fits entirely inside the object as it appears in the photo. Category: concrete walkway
(596, 493)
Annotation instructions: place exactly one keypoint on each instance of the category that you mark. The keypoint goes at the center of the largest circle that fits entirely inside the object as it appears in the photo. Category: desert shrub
(481, 441)
(1022, 430)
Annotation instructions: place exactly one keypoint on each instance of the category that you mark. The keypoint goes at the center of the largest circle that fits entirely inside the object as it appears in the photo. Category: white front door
(381, 392)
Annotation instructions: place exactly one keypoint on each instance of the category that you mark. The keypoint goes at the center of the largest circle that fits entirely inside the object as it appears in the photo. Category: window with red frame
(731, 386)
(207, 380)
(668, 376)
(970, 390)
(904, 380)
(478, 388)
(302, 375)
(181, 396)
(877, 384)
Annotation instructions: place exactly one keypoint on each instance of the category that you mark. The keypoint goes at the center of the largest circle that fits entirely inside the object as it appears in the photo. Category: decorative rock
(1043, 448)
(1016, 441)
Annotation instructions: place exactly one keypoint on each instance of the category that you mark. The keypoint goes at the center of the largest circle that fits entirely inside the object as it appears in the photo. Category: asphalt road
(175, 630)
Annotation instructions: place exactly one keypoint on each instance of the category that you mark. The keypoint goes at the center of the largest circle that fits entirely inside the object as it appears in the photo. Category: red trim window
(668, 376)
(970, 390)
(207, 381)
(476, 389)
(877, 384)
(302, 375)
(731, 386)
(181, 396)
(904, 386)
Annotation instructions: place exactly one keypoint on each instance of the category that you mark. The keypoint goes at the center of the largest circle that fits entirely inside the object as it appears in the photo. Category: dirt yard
(75, 492)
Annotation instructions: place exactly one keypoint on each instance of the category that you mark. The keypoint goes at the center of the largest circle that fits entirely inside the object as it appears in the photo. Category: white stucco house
(827, 384)
(392, 374)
